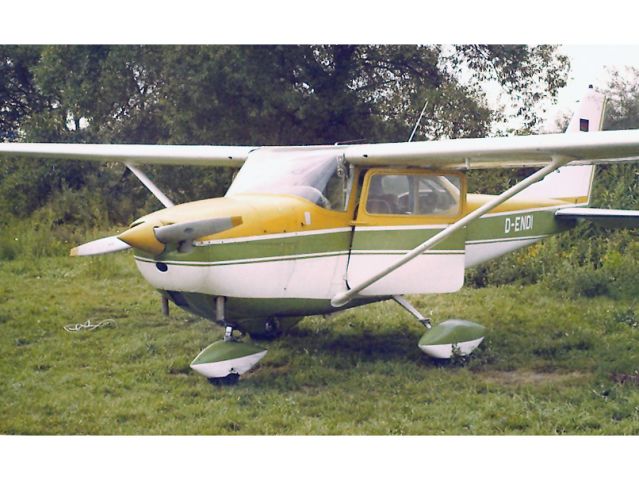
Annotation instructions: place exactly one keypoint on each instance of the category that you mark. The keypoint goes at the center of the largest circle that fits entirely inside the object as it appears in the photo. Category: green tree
(18, 94)
(591, 260)
(247, 95)
(616, 186)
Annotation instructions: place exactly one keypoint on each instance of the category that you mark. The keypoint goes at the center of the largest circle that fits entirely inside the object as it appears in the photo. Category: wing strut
(150, 185)
(346, 296)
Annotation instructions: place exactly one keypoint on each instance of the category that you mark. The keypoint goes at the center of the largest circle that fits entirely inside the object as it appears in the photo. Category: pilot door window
(410, 194)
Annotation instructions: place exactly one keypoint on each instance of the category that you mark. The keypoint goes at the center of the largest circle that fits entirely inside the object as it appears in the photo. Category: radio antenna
(410, 139)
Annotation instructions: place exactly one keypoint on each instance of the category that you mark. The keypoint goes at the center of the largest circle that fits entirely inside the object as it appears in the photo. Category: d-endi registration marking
(520, 223)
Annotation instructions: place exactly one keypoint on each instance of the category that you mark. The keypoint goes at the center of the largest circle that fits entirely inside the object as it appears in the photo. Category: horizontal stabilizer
(601, 216)
(99, 247)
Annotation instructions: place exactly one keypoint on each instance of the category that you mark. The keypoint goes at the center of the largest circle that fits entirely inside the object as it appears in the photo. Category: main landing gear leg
(224, 361)
(448, 339)
(405, 304)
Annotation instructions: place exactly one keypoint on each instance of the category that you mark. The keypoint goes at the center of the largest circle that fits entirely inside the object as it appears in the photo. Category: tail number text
(518, 224)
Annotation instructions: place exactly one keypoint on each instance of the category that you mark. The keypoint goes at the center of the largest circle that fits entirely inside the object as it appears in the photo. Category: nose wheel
(224, 361)
(230, 379)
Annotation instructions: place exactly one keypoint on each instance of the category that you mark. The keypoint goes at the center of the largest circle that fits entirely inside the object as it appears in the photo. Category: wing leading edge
(502, 152)
(460, 154)
(199, 155)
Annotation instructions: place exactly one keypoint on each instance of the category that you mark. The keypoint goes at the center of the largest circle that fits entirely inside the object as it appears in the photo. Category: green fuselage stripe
(240, 262)
(257, 247)
(307, 246)
(506, 227)
(404, 239)
(515, 226)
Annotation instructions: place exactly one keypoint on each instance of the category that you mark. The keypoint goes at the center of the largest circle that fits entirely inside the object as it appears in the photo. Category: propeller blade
(189, 231)
(154, 238)
(99, 247)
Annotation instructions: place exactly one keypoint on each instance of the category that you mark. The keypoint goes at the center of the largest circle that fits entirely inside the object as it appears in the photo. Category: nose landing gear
(224, 361)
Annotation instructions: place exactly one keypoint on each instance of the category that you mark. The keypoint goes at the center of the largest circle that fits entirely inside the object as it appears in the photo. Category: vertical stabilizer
(589, 114)
(574, 183)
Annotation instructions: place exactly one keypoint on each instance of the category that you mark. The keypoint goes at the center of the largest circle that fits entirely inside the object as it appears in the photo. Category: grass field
(550, 364)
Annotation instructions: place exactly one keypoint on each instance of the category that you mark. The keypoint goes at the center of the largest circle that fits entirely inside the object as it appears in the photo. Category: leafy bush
(585, 281)
(587, 262)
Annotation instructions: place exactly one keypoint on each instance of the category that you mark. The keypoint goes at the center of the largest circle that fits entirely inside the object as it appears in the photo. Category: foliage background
(561, 357)
(293, 94)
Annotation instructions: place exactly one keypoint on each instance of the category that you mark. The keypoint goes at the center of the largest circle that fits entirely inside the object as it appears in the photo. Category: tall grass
(71, 218)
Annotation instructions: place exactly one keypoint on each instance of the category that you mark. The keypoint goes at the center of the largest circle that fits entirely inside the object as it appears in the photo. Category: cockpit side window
(320, 176)
(414, 194)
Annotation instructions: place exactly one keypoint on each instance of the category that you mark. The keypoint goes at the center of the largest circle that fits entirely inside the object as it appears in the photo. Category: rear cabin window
(412, 194)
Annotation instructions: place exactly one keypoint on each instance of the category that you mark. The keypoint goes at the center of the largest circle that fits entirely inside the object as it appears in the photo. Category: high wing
(460, 154)
(199, 155)
(502, 152)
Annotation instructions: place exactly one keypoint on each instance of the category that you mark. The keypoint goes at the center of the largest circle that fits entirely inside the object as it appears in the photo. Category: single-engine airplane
(315, 229)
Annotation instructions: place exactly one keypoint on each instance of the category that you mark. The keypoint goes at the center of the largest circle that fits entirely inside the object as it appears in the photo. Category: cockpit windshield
(316, 175)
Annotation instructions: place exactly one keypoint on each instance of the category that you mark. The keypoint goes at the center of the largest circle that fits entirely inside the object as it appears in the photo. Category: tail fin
(589, 116)
(574, 184)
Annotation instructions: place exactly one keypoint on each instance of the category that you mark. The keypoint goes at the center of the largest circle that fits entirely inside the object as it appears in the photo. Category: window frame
(364, 216)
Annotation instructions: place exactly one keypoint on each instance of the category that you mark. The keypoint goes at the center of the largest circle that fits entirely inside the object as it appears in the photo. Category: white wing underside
(199, 155)
(458, 154)
(503, 152)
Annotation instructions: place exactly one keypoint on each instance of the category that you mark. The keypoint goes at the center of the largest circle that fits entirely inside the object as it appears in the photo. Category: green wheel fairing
(221, 351)
(452, 332)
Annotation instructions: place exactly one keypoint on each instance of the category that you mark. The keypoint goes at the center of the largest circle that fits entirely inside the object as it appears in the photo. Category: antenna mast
(410, 139)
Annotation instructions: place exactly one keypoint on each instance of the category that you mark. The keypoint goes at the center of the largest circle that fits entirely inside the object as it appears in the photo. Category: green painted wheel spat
(220, 351)
(453, 331)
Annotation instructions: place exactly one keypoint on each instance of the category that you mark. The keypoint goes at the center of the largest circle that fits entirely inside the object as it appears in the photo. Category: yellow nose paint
(143, 238)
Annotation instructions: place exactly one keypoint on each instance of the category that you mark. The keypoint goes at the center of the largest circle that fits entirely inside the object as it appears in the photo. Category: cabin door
(399, 210)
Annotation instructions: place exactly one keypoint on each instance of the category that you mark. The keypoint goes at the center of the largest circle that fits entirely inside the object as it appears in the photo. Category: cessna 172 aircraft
(315, 229)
